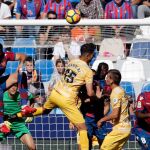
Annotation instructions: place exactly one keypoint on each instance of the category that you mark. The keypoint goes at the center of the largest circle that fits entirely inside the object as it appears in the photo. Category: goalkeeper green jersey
(13, 106)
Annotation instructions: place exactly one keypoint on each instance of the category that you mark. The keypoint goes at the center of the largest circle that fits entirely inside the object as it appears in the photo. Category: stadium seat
(129, 88)
(133, 70)
(1, 41)
(140, 48)
(111, 48)
(11, 67)
(146, 87)
(46, 67)
(25, 45)
(97, 62)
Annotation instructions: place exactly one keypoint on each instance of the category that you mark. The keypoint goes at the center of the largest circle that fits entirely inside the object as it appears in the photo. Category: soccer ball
(73, 16)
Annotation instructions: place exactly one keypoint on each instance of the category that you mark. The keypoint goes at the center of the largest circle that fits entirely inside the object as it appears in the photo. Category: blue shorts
(143, 138)
(93, 129)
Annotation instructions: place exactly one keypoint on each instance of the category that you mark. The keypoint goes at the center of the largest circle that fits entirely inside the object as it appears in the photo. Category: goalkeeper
(12, 105)
(7, 80)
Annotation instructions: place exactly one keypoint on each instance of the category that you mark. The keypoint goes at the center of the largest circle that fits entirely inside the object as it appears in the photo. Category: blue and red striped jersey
(59, 8)
(112, 11)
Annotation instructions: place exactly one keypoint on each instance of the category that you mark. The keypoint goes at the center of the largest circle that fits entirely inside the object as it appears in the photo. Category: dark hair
(115, 76)
(87, 48)
(53, 13)
(102, 64)
(60, 61)
(30, 59)
(1, 52)
(99, 69)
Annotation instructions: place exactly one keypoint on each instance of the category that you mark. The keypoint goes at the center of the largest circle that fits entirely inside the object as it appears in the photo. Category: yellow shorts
(67, 105)
(115, 140)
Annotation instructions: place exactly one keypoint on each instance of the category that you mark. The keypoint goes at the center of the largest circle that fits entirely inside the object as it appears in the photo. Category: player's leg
(74, 115)
(68, 106)
(48, 105)
(115, 140)
(21, 131)
(100, 133)
(28, 141)
(89, 124)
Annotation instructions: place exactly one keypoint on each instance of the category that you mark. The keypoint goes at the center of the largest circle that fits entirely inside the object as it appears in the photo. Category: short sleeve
(139, 103)
(116, 99)
(89, 77)
(10, 56)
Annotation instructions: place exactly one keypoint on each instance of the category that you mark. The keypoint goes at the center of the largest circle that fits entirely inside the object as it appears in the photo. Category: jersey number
(69, 76)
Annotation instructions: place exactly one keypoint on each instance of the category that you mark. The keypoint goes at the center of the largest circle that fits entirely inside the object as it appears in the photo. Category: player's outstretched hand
(27, 110)
(29, 119)
(5, 127)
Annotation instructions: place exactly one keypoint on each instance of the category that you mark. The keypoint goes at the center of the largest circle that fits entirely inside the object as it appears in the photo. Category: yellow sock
(19, 115)
(84, 142)
(39, 111)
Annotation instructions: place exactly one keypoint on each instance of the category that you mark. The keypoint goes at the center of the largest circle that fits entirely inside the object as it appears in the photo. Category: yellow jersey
(118, 98)
(77, 73)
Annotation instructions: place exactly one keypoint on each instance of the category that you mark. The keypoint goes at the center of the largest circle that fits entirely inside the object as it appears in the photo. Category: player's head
(119, 2)
(51, 15)
(87, 1)
(60, 65)
(102, 70)
(65, 37)
(87, 51)
(1, 52)
(29, 64)
(113, 77)
(13, 90)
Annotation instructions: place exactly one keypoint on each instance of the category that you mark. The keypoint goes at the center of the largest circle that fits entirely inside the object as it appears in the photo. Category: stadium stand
(133, 70)
(140, 48)
(129, 88)
(24, 45)
(146, 87)
(111, 48)
(11, 67)
(46, 67)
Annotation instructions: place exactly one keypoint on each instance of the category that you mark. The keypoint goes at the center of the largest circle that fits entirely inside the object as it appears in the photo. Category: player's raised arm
(21, 57)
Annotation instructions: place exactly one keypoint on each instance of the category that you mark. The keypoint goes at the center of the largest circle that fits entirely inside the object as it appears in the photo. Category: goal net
(122, 45)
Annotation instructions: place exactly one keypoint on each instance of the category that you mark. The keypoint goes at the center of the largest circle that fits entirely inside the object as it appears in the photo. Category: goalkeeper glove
(26, 111)
(5, 127)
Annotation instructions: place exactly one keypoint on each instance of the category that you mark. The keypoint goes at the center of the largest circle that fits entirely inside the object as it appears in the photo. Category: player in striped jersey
(118, 9)
(58, 6)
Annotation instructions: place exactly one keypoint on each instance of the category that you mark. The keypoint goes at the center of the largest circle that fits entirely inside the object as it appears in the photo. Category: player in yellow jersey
(120, 133)
(65, 92)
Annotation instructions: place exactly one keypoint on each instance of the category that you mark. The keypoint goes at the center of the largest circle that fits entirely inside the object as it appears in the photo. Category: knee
(32, 147)
(81, 126)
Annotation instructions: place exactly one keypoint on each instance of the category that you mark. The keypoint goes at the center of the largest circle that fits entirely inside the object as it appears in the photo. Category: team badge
(115, 100)
(139, 104)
